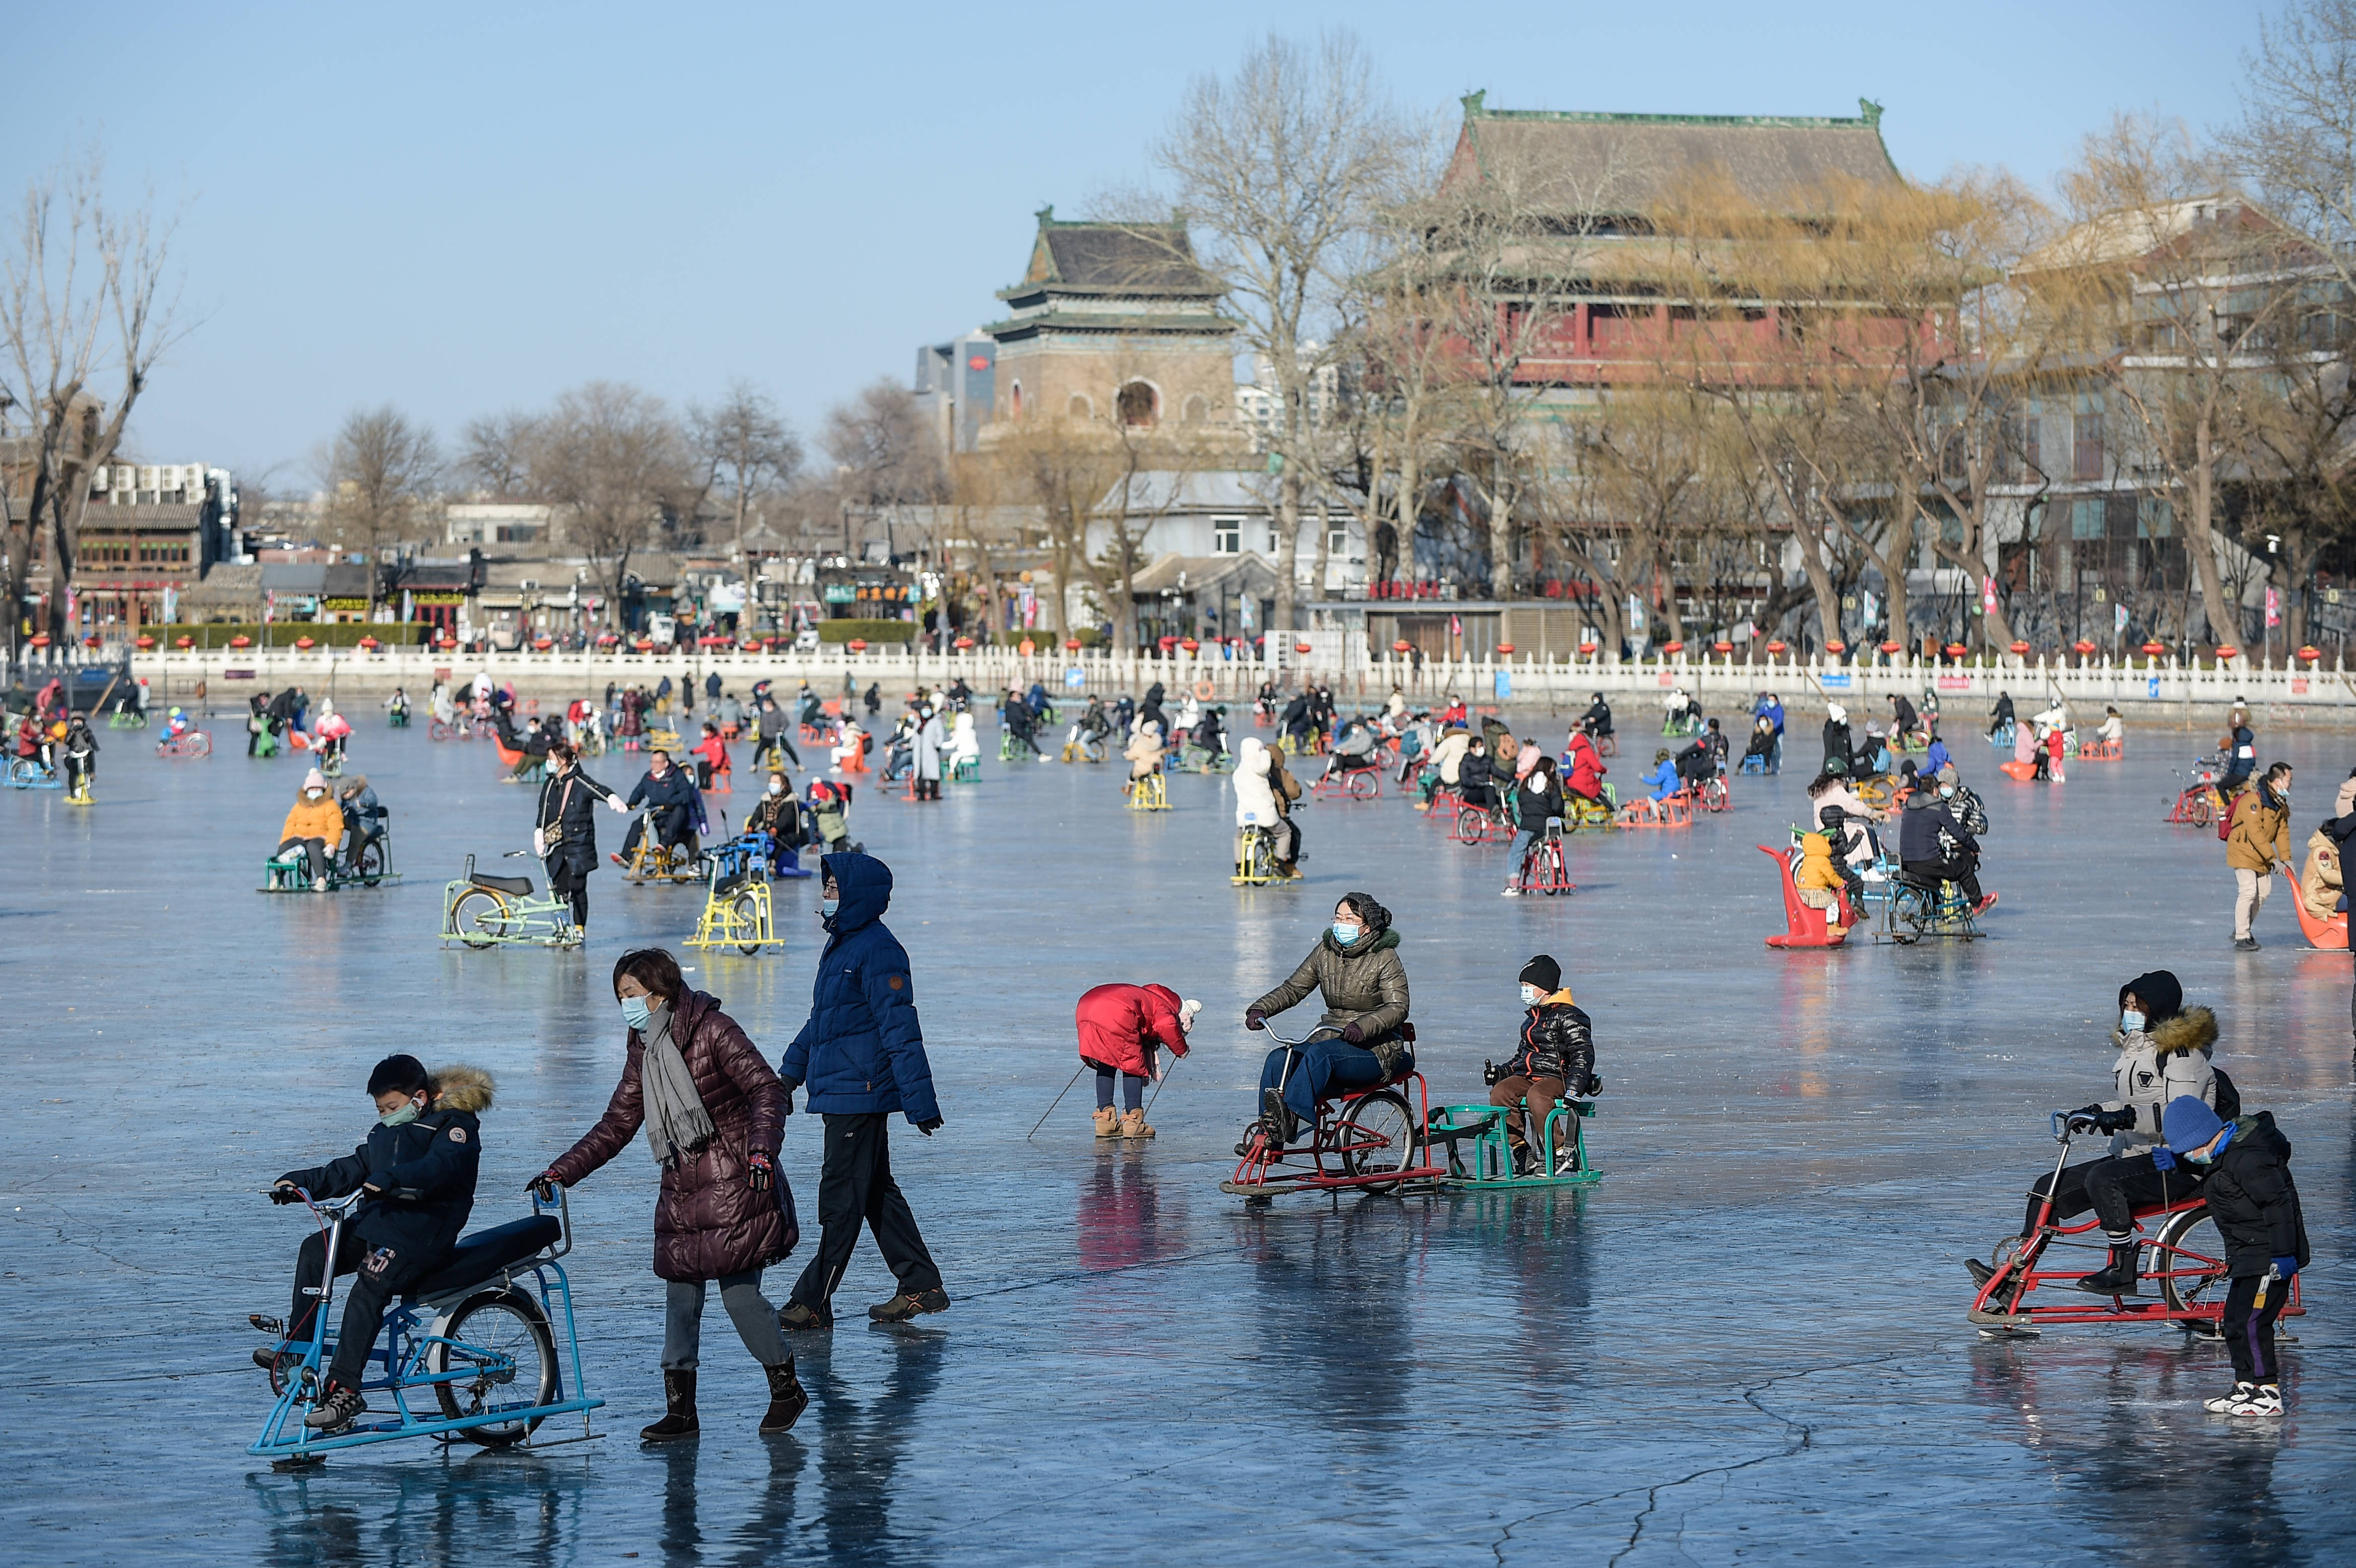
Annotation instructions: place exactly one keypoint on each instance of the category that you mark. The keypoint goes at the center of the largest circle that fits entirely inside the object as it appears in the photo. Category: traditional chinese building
(1114, 321)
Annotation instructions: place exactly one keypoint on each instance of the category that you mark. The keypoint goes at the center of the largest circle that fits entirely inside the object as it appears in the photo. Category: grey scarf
(676, 1119)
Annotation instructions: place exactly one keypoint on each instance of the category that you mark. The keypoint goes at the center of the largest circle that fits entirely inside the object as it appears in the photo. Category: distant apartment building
(150, 532)
(955, 385)
(498, 522)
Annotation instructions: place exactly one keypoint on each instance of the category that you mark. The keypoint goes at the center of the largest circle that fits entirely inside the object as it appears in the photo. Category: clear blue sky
(459, 208)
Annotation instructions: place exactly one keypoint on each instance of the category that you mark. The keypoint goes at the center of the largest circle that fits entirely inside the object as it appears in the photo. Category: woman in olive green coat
(1355, 965)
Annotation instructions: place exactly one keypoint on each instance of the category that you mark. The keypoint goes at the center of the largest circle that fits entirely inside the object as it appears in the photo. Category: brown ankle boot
(678, 1410)
(786, 1399)
(1132, 1125)
(1107, 1121)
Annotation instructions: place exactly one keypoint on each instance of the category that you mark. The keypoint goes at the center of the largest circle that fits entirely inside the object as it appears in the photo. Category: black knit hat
(1371, 915)
(2161, 992)
(1544, 973)
(404, 1074)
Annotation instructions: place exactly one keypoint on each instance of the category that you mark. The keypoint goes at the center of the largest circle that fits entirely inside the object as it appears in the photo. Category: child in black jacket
(2255, 1208)
(1553, 1059)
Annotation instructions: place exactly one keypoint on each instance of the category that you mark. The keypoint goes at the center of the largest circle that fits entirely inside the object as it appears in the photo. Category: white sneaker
(1511, 893)
(319, 884)
(2263, 1400)
(2224, 1402)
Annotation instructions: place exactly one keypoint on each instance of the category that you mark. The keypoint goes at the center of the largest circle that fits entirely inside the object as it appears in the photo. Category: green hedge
(845, 630)
(283, 633)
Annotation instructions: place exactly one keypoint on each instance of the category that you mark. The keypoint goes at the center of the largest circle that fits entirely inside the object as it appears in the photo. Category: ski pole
(1157, 1082)
(1056, 1101)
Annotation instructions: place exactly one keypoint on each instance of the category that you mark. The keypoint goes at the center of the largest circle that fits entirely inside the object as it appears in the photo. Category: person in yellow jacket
(314, 826)
(2260, 840)
(1819, 880)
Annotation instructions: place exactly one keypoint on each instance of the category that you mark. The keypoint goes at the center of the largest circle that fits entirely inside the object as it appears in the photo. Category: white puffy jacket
(1255, 799)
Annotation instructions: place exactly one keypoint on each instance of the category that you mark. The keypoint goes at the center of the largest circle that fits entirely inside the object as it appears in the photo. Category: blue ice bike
(476, 1332)
(26, 773)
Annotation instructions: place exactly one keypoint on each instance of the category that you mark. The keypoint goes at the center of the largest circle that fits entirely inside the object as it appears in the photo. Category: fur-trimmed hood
(2195, 1029)
(466, 1089)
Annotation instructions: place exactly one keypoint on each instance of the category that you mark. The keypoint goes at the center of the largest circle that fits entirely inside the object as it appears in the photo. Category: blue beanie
(2189, 1123)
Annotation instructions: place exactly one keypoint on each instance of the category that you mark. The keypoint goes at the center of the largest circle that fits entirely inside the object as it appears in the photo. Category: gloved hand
(789, 1085)
(2162, 1157)
(2286, 1267)
(1254, 1018)
(542, 1186)
(2118, 1121)
(759, 1173)
(540, 844)
(929, 1128)
(615, 802)
(2082, 1120)
(285, 1192)
(1354, 1031)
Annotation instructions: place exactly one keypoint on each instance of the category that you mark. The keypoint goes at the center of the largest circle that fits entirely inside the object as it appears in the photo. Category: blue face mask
(1346, 935)
(2131, 1022)
(635, 1012)
(826, 907)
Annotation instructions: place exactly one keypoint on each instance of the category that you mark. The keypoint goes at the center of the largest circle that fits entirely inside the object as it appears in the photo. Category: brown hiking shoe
(903, 1307)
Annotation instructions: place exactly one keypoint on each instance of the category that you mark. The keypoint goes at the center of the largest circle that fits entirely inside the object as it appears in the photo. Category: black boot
(2120, 1278)
(678, 1410)
(786, 1399)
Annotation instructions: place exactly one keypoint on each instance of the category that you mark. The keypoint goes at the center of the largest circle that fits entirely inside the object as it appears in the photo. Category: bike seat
(479, 1256)
(519, 887)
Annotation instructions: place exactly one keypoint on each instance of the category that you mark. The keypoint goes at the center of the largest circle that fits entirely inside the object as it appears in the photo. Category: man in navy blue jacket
(862, 1055)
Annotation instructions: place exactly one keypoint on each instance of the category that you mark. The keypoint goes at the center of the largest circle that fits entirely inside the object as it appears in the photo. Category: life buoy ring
(1205, 689)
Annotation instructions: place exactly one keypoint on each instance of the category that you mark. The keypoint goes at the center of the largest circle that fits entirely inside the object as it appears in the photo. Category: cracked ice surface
(1746, 1344)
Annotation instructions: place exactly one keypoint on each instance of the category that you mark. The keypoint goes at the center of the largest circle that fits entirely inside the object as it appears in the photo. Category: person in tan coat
(1144, 751)
(2259, 841)
(2319, 883)
(316, 826)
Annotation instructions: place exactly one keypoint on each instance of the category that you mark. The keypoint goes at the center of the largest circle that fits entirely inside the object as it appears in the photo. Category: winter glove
(284, 1193)
(789, 1085)
(759, 1173)
(2118, 1121)
(542, 1186)
(2162, 1157)
(615, 802)
(2083, 1120)
(1254, 1018)
(1354, 1031)
(2286, 1267)
(540, 844)
(929, 1126)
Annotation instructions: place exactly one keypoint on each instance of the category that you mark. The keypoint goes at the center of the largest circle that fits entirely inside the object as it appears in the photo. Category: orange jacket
(324, 819)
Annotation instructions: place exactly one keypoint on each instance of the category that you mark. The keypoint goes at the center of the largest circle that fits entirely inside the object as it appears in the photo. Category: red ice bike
(2186, 1259)
(1370, 1140)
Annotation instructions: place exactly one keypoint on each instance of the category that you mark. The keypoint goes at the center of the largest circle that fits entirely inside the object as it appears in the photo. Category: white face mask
(777, 786)
(1531, 995)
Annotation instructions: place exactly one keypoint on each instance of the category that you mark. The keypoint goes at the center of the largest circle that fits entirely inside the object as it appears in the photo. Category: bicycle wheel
(372, 866)
(479, 918)
(1468, 825)
(2201, 813)
(496, 1326)
(2190, 1258)
(24, 772)
(436, 730)
(1376, 1135)
(1366, 784)
(745, 920)
(197, 743)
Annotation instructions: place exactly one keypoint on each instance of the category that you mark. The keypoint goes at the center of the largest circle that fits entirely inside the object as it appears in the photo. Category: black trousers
(1966, 872)
(2249, 1328)
(379, 1274)
(2114, 1190)
(855, 1184)
(568, 876)
(674, 828)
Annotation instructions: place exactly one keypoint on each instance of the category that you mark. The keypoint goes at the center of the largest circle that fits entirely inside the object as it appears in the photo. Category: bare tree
(2297, 140)
(496, 453)
(885, 458)
(1283, 169)
(81, 301)
(614, 457)
(1065, 467)
(745, 445)
(378, 472)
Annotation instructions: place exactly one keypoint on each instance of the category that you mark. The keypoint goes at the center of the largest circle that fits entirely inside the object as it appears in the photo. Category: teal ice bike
(468, 1354)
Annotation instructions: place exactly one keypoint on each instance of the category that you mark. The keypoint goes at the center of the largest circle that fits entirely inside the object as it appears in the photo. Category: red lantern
(369, 645)
(1835, 647)
(750, 644)
(2021, 650)
(962, 644)
(542, 645)
(144, 643)
(239, 641)
(1302, 649)
(1673, 647)
(1404, 646)
(1957, 650)
(1778, 646)
(857, 644)
(447, 642)
(184, 644)
(1506, 649)
(91, 641)
(2086, 647)
(1190, 645)
(645, 645)
(2154, 648)
(2311, 653)
(40, 639)
(1071, 645)
(2229, 652)
(1586, 649)
(303, 644)
(1892, 647)
(1721, 648)
(607, 639)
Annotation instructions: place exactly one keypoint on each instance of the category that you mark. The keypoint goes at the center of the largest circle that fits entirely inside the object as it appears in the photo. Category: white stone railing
(1721, 684)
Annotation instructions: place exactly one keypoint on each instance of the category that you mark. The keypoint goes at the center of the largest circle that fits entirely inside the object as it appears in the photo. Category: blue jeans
(1320, 1069)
